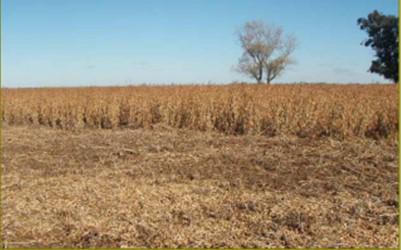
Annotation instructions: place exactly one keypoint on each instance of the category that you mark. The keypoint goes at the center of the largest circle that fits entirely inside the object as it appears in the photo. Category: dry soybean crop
(239, 166)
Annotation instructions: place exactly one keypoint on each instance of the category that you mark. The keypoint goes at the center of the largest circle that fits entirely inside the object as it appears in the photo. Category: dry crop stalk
(304, 110)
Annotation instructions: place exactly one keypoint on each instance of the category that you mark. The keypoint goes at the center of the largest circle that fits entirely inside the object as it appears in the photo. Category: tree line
(267, 51)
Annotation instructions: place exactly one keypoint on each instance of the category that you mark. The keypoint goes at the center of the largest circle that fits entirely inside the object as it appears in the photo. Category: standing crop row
(301, 110)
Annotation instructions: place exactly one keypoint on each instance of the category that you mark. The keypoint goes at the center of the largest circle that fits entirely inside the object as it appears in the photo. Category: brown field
(301, 110)
(201, 166)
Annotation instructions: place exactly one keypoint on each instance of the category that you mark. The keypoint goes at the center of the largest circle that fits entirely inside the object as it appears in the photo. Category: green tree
(383, 38)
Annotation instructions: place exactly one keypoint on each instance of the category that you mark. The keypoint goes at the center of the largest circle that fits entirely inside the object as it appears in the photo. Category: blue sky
(120, 42)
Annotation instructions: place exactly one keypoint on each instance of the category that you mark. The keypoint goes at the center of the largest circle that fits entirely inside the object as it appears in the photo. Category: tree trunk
(260, 76)
(268, 78)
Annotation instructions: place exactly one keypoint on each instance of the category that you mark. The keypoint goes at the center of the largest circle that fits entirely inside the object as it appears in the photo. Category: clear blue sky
(108, 42)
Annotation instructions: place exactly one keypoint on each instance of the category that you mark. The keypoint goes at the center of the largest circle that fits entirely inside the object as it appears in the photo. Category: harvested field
(167, 187)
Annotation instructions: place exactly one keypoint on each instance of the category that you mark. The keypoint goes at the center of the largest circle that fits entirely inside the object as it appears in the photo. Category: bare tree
(266, 50)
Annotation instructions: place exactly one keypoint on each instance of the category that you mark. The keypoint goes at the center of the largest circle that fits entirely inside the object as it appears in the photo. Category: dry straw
(301, 110)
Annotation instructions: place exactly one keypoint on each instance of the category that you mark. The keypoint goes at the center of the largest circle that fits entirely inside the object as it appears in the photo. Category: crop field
(239, 166)
(301, 110)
